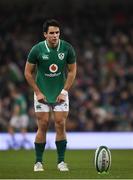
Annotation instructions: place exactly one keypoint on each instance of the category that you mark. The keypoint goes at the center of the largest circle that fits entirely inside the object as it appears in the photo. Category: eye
(57, 32)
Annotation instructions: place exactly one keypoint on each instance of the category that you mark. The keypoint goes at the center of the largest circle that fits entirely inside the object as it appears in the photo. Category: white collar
(48, 47)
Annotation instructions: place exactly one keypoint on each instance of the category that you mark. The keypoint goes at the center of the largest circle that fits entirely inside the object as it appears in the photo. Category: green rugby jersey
(51, 67)
(21, 102)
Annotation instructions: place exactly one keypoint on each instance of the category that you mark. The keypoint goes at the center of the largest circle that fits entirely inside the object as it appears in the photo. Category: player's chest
(47, 58)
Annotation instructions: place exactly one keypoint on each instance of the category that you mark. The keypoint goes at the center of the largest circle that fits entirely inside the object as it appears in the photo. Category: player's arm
(30, 77)
(72, 68)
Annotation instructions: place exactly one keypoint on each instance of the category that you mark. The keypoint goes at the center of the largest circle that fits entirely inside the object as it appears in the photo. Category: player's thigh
(24, 121)
(40, 107)
(42, 118)
(14, 122)
(62, 107)
(60, 116)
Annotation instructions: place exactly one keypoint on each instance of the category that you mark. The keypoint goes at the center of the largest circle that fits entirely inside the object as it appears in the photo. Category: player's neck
(52, 45)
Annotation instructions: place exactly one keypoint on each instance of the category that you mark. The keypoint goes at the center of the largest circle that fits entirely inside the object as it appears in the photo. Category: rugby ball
(102, 159)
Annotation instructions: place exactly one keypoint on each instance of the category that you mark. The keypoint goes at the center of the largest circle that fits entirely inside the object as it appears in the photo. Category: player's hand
(62, 96)
(40, 97)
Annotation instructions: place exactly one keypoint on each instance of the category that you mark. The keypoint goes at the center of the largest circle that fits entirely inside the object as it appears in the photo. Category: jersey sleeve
(33, 55)
(71, 55)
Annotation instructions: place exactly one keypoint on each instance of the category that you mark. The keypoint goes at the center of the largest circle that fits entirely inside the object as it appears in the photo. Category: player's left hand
(61, 98)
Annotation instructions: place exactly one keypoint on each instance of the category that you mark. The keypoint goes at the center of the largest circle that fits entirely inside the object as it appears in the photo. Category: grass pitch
(19, 165)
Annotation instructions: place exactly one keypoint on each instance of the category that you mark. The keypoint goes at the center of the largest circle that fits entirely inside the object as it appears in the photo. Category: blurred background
(101, 32)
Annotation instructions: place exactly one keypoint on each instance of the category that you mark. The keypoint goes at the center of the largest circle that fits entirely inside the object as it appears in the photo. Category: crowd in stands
(101, 98)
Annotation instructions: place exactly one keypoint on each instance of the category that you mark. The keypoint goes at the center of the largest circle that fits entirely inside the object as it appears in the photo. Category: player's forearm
(70, 79)
(31, 81)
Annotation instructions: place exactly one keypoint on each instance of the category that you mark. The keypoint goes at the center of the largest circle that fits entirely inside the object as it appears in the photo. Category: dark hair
(50, 22)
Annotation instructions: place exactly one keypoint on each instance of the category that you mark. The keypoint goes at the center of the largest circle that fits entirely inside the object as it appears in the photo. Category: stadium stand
(102, 34)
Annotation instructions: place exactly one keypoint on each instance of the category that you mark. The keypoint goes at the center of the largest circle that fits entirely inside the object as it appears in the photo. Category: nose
(55, 34)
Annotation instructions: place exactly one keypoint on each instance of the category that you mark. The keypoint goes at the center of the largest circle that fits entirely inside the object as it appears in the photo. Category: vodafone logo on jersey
(53, 68)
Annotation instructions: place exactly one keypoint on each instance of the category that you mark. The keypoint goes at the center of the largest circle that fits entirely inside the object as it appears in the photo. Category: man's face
(52, 35)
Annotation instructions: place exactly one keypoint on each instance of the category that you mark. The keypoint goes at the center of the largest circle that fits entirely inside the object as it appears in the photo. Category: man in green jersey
(19, 118)
(51, 59)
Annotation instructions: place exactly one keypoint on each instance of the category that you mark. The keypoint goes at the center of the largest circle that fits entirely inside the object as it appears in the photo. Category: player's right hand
(40, 97)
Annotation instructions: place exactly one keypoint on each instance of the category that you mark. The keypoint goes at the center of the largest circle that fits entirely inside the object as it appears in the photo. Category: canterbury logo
(45, 56)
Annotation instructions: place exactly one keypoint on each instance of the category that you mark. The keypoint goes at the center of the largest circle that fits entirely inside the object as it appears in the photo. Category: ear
(45, 34)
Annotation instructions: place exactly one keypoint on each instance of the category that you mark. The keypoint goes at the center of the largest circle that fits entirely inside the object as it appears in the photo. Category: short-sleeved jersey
(21, 102)
(51, 67)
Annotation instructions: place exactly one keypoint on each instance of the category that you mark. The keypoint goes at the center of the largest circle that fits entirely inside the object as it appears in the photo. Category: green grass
(19, 165)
